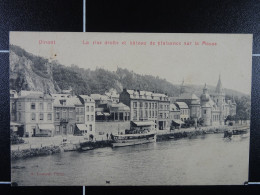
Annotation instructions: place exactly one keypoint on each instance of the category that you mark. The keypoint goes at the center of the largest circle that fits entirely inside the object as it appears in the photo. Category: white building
(89, 105)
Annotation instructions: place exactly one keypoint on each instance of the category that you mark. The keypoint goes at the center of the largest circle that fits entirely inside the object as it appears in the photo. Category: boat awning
(15, 124)
(46, 127)
(178, 121)
(99, 114)
(144, 123)
(82, 127)
(106, 113)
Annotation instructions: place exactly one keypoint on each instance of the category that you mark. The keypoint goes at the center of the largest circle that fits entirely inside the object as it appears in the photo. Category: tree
(200, 121)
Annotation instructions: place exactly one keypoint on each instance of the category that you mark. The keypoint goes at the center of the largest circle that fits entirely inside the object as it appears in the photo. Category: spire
(182, 88)
(205, 89)
(219, 88)
(205, 86)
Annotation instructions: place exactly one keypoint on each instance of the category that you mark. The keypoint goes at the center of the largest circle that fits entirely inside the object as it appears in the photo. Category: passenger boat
(133, 139)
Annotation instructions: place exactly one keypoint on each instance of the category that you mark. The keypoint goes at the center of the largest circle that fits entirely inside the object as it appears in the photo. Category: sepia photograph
(129, 109)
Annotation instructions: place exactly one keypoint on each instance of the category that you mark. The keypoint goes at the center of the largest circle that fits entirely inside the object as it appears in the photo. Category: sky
(227, 54)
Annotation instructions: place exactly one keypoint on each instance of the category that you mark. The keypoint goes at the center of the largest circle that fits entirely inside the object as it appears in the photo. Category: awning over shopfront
(15, 124)
(178, 121)
(144, 123)
(99, 114)
(46, 127)
(82, 127)
(106, 113)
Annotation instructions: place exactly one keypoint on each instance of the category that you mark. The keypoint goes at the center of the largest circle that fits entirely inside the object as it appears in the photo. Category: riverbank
(33, 152)
(21, 152)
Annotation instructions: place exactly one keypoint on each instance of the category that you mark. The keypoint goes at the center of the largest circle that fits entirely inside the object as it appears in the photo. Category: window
(41, 106)
(135, 104)
(49, 106)
(155, 105)
(92, 117)
(77, 118)
(64, 114)
(33, 117)
(135, 114)
(19, 105)
(90, 127)
(70, 114)
(87, 108)
(150, 113)
(92, 108)
(87, 117)
(41, 117)
(33, 106)
(155, 113)
(165, 115)
(125, 116)
(19, 116)
(141, 104)
(161, 115)
(57, 128)
(49, 116)
(146, 105)
(205, 111)
(57, 115)
(141, 114)
(150, 105)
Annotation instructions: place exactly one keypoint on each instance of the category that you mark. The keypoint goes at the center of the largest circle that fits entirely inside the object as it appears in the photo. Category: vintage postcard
(113, 109)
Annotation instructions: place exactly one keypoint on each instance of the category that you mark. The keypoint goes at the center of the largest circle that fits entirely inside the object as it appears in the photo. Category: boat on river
(133, 139)
(238, 132)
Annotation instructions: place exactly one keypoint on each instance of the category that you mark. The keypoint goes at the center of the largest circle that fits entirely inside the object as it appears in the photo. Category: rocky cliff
(24, 75)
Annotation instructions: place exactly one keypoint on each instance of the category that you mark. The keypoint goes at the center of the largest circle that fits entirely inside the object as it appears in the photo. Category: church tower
(220, 99)
(206, 109)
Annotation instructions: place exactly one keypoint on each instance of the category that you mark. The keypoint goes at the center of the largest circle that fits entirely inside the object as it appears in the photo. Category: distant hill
(31, 72)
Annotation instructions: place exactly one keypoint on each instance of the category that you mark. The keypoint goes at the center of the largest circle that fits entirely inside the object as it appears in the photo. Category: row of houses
(36, 114)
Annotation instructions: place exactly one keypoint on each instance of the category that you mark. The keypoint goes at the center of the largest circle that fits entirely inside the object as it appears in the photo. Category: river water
(204, 160)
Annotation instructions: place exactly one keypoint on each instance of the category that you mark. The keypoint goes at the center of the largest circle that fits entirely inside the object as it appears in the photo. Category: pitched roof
(37, 96)
(173, 107)
(190, 96)
(87, 98)
(136, 94)
(97, 96)
(182, 105)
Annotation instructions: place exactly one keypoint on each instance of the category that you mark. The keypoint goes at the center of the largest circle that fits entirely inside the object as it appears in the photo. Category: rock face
(24, 75)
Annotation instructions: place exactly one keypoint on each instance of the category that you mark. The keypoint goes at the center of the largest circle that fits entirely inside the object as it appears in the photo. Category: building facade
(163, 111)
(35, 112)
(64, 114)
(143, 107)
(89, 115)
(184, 111)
